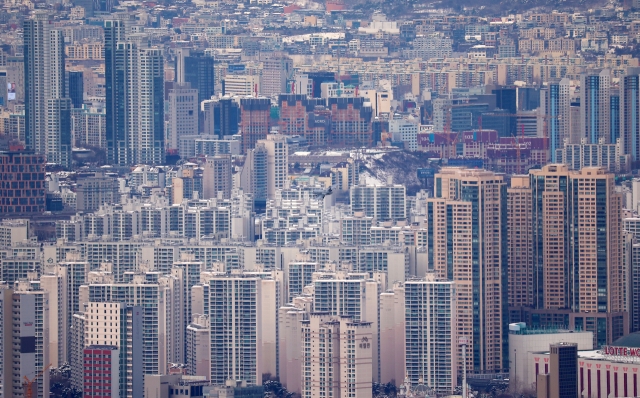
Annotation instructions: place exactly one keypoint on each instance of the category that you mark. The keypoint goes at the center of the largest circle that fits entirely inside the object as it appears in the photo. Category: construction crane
(28, 384)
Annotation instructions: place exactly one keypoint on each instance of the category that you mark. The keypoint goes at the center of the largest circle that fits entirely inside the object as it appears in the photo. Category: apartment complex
(576, 250)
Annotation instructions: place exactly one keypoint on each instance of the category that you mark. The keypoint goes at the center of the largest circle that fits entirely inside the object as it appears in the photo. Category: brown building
(22, 187)
(467, 224)
(350, 122)
(298, 115)
(254, 123)
(577, 277)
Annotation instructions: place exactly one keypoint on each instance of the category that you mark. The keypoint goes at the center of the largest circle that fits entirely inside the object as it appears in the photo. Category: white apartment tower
(186, 273)
(6, 344)
(242, 311)
(290, 342)
(277, 162)
(387, 202)
(430, 333)
(55, 285)
(29, 325)
(157, 296)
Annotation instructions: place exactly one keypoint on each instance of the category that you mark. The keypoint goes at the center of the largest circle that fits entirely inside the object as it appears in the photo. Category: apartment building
(386, 202)
(467, 243)
(113, 334)
(242, 347)
(198, 343)
(571, 268)
(342, 367)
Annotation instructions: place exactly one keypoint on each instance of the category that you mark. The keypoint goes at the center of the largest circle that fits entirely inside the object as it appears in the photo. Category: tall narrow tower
(48, 117)
(595, 105)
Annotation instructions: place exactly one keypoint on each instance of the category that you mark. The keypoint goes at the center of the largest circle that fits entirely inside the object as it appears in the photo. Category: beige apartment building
(565, 247)
(467, 244)
(337, 357)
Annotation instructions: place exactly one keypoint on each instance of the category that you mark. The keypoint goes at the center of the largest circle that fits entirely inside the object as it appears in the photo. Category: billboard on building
(11, 91)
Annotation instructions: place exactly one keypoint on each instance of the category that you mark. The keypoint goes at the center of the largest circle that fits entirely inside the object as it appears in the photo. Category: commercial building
(241, 85)
(523, 341)
(404, 131)
(22, 192)
(197, 69)
(221, 117)
(183, 117)
(562, 379)
(610, 371)
(75, 88)
(276, 73)
(178, 386)
(254, 124)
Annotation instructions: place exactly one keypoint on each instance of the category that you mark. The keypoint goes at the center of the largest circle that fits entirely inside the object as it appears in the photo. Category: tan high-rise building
(216, 178)
(577, 275)
(520, 245)
(337, 357)
(467, 241)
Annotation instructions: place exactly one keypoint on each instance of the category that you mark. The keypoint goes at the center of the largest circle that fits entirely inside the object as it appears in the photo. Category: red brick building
(101, 371)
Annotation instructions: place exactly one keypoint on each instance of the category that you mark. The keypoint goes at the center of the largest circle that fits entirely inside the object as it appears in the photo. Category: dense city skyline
(319, 199)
